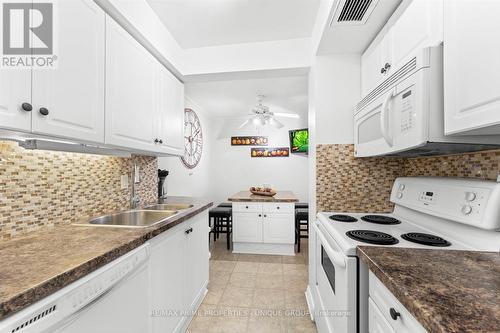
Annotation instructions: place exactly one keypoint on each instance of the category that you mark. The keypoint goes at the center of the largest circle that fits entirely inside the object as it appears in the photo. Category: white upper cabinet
(420, 25)
(132, 91)
(472, 66)
(72, 95)
(15, 89)
(171, 113)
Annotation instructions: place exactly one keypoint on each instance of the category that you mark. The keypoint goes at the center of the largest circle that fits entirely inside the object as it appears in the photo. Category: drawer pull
(394, 314)
(246, 207)
(278, 207)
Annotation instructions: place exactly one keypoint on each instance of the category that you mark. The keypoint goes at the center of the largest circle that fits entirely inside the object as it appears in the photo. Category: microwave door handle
(384, 119)
(334, 256)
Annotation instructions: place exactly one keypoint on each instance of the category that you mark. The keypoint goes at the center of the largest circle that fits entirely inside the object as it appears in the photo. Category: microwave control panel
(407, 111)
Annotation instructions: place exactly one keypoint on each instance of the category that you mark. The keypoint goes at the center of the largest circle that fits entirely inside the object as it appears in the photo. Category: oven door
(336, 284)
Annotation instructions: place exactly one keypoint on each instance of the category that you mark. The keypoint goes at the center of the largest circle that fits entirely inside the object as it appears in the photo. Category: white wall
(337, 82)
(191, 182)
(234, 170)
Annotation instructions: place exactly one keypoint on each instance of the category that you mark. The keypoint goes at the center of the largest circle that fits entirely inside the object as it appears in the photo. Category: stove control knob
(466, 210)
(470, 196)
(402, 187)
(400, 195)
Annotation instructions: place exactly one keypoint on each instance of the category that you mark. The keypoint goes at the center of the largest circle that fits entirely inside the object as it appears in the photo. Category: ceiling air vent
(352, 12)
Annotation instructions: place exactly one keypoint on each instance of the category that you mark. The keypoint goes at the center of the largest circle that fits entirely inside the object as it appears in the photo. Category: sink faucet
(134, 197)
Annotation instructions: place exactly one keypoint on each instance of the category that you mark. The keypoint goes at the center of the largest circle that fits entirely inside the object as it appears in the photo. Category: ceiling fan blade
(245, 123)
(275, 123)
(287, 115)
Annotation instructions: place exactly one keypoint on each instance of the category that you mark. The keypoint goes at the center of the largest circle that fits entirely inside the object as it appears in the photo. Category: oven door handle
(384, 119)
(336, 257)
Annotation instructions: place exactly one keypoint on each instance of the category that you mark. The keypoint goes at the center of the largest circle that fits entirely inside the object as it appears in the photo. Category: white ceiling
(235, 98)
(201, 23)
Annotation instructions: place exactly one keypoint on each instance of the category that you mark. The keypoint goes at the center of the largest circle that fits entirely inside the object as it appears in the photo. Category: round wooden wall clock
(193, 139)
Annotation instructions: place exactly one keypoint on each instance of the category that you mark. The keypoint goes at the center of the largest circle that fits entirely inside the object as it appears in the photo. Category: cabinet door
(247, 227)
(132, 86)
(371, 64)
(171, 113)
(279, 228)
(15, 89)
(472, 66)
(419, 26)
(74, 91)
(196, 259)
(167, 280)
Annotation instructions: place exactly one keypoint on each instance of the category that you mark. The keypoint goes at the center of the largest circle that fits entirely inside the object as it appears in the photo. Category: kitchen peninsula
(264, 224)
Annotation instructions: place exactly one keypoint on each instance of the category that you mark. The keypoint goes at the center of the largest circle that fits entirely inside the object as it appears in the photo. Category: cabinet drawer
(278, 207)
(385, 300)
(376, 321)
(247, 207)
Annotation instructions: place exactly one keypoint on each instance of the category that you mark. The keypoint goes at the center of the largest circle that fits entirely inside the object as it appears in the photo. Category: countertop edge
(58, 282)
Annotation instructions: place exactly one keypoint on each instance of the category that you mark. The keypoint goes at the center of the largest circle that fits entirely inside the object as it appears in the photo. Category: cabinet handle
(394, 314)
(260, 215)
(156, 140)
(27, 107)
(278, 207)
(44, 111)
(189, 230)
(246, 207)
(383, 70)
(387, 66)
(161, 141)
(265, 215)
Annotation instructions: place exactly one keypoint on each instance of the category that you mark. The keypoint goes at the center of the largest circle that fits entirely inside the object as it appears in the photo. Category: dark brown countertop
(247, 196)
(39, 264)
(445, 290)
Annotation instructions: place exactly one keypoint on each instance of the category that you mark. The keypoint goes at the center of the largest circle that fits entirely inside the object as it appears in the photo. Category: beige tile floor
(254, 293)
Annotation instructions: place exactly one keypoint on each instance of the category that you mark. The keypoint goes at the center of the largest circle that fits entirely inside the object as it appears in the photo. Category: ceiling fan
(261, 115)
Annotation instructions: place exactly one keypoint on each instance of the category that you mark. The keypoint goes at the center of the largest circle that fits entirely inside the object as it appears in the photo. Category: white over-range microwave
(404, 115)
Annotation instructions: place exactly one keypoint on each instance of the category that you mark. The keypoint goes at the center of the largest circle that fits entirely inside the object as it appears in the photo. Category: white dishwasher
(113, 299)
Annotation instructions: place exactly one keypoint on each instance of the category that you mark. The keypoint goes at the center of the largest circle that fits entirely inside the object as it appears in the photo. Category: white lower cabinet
(247, 227)
(264, 228)
(386, 314)
(278, 228)
(179, 274)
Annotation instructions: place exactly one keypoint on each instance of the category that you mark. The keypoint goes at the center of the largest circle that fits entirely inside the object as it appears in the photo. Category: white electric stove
(429, 213)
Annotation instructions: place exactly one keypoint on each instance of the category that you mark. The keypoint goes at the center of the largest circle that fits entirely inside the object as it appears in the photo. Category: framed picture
(249, 141)
(270, 152)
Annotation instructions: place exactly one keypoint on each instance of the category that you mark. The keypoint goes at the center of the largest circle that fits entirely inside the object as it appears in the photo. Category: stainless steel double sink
(138, 218)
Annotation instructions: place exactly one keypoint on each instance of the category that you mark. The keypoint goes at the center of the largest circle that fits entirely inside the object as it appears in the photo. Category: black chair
(301, 220)
(226, 205)
(301, 205)
(222, 222)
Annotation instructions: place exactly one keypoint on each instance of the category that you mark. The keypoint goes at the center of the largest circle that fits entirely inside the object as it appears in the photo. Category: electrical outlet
(137, 173)
(124, 182)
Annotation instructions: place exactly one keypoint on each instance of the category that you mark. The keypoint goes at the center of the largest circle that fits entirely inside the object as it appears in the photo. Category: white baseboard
(310, 302)
(263, 248)
(194, 307)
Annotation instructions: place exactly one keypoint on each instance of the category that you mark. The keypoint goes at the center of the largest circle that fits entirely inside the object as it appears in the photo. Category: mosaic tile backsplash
(345, 183)
(42, 188)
